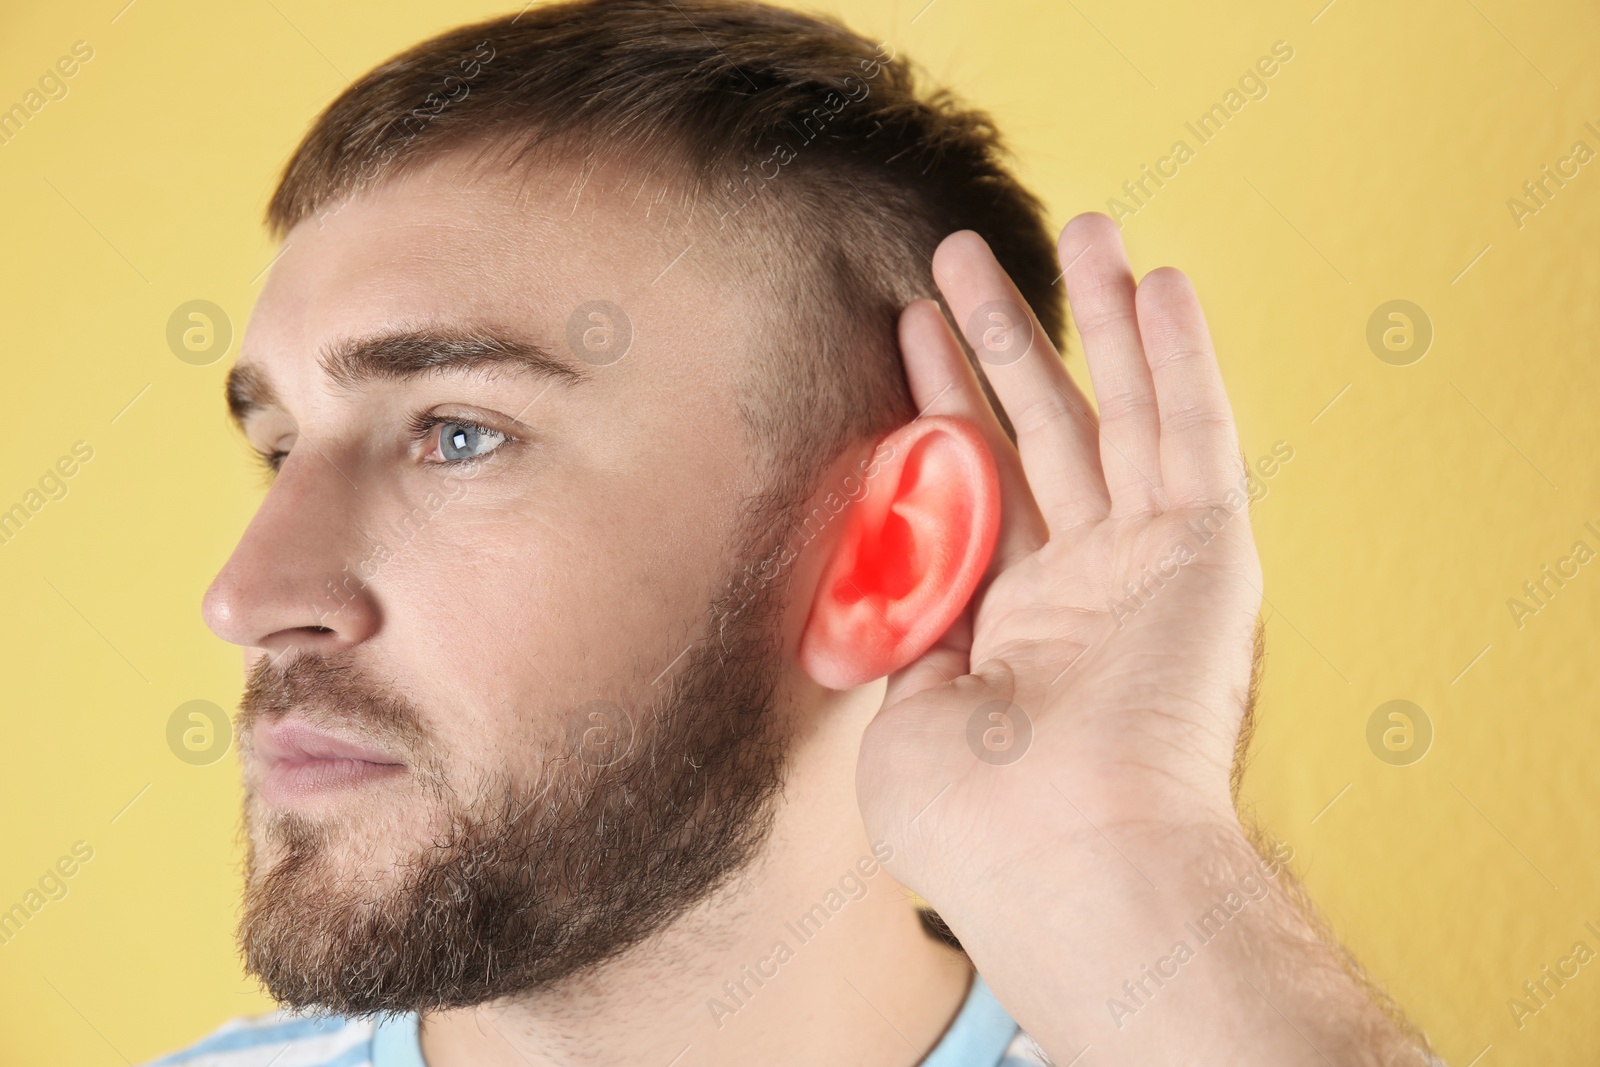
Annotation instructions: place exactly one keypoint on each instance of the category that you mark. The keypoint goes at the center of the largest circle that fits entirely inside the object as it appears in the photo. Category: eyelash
(420, 426)
(270, 462)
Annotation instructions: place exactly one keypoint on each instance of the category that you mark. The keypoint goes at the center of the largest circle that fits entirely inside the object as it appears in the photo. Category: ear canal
(884, 564)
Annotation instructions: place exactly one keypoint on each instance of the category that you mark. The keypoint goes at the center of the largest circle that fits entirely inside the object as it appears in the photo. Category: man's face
(497, 700)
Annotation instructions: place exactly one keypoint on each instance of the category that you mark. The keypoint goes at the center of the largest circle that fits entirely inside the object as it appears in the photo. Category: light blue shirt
(982, 1035)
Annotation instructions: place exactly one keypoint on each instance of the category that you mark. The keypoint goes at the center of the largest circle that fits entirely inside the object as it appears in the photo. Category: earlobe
(910, 555)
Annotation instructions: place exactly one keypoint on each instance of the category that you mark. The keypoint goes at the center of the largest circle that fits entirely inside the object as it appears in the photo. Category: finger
(1056, 427)
(1100, 290)
(949, 658)
(943, 383)
(1199, 443)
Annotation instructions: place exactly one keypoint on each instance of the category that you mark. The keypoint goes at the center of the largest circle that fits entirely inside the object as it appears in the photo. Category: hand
(1116, 626)
(1116, 621)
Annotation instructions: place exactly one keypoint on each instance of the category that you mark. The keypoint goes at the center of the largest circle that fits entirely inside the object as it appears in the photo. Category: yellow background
(1377, 168)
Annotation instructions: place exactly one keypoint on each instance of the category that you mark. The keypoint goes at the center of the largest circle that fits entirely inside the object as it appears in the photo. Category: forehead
(456, 243)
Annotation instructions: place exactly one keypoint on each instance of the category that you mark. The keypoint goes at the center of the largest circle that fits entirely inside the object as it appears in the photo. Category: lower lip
(294, 781)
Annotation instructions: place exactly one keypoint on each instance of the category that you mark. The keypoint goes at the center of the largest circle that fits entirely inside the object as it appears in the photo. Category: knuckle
(1039, 412)
(1100, 311)
(1190, 417)
(1178, 355)
(1114, 407)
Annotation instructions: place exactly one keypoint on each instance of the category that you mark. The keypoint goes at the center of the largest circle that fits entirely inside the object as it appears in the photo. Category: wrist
(1186, 923)
(1048, 852)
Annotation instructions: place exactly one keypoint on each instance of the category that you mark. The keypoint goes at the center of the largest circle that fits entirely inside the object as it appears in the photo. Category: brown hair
(837, 172)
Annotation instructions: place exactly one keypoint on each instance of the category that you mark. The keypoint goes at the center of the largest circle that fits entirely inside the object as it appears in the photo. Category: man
(652, 589)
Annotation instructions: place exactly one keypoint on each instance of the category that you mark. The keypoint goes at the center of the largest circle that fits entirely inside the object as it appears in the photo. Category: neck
(813, 954)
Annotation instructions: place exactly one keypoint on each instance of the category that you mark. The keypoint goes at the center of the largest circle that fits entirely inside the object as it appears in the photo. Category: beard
(633, 817)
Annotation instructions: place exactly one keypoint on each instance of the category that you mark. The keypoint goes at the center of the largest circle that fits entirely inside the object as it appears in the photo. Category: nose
(295, 579)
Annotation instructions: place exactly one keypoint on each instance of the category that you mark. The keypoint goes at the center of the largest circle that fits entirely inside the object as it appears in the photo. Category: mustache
(332, 693)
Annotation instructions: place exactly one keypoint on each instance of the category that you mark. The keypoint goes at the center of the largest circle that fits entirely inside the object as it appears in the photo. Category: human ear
(912, 551)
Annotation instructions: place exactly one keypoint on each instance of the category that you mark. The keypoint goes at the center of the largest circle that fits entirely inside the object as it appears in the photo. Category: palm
(1105, 662)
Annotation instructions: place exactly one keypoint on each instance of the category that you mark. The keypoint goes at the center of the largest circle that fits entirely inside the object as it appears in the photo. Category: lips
(300, 763)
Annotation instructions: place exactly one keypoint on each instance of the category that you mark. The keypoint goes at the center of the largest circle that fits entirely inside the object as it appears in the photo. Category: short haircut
(819, 150)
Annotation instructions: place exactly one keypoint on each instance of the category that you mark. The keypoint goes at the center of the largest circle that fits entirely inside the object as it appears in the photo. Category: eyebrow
(402, 355)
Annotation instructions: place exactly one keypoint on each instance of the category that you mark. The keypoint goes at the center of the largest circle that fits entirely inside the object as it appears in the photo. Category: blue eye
(460, 441)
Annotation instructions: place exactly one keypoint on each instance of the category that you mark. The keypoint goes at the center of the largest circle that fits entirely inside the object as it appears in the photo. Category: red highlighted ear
(910, 555)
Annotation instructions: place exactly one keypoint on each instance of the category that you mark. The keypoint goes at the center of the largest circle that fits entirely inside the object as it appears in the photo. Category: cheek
(506, 618)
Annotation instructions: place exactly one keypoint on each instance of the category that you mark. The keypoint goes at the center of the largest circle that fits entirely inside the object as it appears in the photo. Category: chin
(362, 843)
